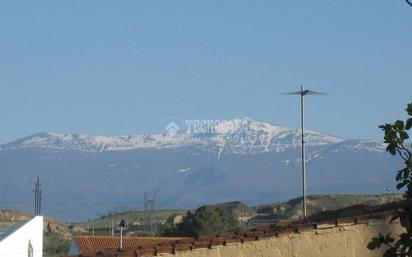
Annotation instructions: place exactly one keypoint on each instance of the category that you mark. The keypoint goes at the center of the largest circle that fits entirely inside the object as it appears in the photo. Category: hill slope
(292, 209)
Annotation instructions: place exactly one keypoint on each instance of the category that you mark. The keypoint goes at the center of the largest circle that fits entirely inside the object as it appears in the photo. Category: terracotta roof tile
(94, 244)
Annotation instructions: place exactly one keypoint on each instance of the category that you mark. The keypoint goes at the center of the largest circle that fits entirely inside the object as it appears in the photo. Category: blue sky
(121, 67)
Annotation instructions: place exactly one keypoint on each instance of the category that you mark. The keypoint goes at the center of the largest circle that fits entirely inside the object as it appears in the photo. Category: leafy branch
(396, 136)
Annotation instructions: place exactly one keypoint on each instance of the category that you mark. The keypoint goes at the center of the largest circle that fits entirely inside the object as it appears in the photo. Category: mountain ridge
(259, 164)
(256, 137)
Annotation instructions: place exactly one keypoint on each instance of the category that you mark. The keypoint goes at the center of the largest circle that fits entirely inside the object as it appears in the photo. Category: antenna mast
(302, 109)
(303, 93)
(37, 197)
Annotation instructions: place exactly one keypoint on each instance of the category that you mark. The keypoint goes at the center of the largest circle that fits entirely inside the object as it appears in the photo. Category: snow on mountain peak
(244, 135)
(96, 143)
(240, 135)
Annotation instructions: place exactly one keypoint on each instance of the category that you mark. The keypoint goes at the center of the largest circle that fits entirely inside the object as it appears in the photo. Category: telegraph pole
(149, 212)
(35, 199)
(112, 228)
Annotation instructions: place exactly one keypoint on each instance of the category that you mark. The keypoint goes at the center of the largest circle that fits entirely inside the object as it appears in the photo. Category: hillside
(262, 213)
(135, 221)
(11, 216)
(237, 208)
(292, 209)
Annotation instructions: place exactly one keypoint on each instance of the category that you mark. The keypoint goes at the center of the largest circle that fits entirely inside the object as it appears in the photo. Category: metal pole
(302, 94)
(112, 229)
(39, 208)
(121, 237)
(303, 151)
(35, 198)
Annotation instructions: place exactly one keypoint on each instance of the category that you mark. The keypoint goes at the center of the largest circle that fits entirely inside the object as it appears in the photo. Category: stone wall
(344, 241)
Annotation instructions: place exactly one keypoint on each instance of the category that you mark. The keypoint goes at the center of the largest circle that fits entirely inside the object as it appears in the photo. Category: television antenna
(303, 93)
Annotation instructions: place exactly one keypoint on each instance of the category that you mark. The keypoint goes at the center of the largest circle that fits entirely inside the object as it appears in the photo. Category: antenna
(302, 94)
(37, 197)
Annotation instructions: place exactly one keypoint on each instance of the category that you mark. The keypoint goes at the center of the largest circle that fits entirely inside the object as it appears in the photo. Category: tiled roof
(94, 244)
(323, 220)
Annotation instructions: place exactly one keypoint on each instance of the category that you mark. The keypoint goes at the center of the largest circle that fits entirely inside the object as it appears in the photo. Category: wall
(346, 241)
(17, 243)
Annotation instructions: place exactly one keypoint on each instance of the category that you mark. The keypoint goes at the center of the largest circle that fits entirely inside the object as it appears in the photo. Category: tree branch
(401, 154)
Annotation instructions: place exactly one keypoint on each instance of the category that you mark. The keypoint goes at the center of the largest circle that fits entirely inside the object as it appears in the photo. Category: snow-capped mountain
(93, 143)
(240, 136)
(84, 176)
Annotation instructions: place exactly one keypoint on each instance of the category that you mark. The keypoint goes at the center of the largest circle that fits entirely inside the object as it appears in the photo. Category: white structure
(22, 239)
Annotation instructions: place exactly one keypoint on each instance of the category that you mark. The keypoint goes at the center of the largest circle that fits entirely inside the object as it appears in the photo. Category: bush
(206, 220)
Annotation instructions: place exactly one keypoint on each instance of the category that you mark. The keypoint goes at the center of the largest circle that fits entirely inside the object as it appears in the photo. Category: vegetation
(395, 136)
(292, 209)
(236, 208)
(206, 220)
(57, 237)
(54, 245)
(131, 217)
(261, 214)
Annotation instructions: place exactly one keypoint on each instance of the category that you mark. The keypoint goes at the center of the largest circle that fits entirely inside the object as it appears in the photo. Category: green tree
(206, 220)
(396, 136)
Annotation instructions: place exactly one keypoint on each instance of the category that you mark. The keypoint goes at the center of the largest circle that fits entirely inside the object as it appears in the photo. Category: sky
(123, 67)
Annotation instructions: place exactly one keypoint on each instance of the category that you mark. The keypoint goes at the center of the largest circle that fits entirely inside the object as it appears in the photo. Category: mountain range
(85, 176)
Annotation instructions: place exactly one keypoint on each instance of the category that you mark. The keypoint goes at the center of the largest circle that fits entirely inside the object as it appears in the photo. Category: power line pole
(152, 216)
(145, 212)
(112, 228)
(37, 197)
(149, 211)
